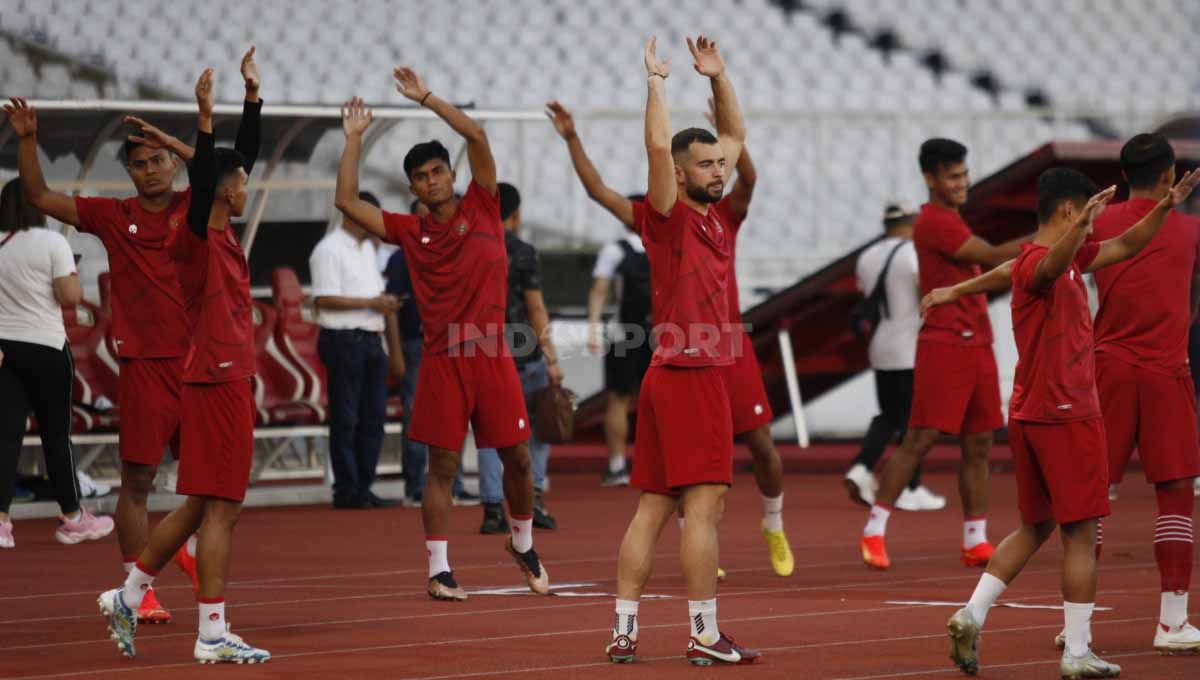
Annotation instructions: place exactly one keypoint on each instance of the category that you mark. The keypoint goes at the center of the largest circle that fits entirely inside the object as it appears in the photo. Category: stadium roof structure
(290, 133)
(816, 310)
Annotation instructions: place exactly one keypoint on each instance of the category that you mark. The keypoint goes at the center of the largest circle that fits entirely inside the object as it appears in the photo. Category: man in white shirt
(892, 354)
(353, 311)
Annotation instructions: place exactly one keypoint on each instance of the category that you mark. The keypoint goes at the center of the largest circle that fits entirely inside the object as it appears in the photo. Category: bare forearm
(596, 298)
(33, 182)
(1139, 235)
(540, 320)
(458, 121)
(658, 120)
(346, 189)
(660, 185)
(995, 281)
(1059, 257)
(343, 303)
(728, 113)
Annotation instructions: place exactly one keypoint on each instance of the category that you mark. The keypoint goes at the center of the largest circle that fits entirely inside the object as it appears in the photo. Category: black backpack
(865, 316)
(635, 286)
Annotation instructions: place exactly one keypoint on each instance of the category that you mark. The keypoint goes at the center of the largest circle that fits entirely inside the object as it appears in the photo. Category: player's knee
(516, 459)
(443, 466)
(137, 480)
(977, 445)
(221, 514)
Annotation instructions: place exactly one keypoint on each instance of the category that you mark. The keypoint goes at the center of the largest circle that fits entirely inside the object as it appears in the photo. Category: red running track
(340, 594)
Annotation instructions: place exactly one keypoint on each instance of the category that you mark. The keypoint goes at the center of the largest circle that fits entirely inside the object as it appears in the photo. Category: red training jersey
(1056, 370)
(215, 280)
(938, 233)
(690, 262)
(459, 270)
(147, 304)
(1145, 304)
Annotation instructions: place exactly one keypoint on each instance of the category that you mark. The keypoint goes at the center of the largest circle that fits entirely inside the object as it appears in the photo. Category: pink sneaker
(86, 527)
(6, 535)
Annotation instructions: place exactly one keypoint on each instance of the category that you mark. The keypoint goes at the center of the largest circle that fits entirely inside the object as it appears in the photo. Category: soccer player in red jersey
(1142, 370)
(747, 396)
(1055, 424)
(685, 428)
(218, 411)
(459, 269)
(149, 329)
(956, 387)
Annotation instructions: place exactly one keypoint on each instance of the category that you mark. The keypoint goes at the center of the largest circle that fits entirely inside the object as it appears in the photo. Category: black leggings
(894, 391)
(38, 378)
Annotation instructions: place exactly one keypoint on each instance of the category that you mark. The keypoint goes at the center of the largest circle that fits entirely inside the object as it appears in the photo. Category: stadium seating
(296, 343)
(94, 392)
(278, 385)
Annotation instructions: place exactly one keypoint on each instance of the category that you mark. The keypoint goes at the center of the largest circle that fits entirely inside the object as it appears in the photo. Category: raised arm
(979, 251)
(660, 186)
(60, 206)
(202, 171)
(596, 298)
(747, 174)
(731, 127)
(249, 134)
(479, 151)
(356, 117)
(155, 138)
(997, 280)
(597, 190)
(1138, 236)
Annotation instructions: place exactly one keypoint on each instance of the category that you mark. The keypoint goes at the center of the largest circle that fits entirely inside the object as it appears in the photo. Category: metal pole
(793, 385)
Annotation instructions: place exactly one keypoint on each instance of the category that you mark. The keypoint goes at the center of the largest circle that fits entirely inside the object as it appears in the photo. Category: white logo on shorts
(1072, 274)
(133, 228)
(225, 364)
(758, 409)
(424, 239)
(1064, 407)
(520, 423)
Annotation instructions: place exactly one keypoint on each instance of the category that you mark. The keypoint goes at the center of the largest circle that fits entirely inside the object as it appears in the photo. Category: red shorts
(217, 435)
(956, 389)
(684, 430)
(747, 396)
(1062, 470)
(149, 392)
(480, 387)
(1154, 412)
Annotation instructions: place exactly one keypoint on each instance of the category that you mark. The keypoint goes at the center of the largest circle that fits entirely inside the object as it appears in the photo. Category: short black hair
(369, 198)
(637, 197)
(939, 151)
(510, 199)
(1145, 158)
(127, 148)
(412, 207)
(16, 212)
(1061, 184)
(693, 135)
(423, 153)
(228, 161)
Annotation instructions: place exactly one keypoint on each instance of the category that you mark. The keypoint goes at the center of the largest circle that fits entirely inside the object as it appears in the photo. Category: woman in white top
(37, 275)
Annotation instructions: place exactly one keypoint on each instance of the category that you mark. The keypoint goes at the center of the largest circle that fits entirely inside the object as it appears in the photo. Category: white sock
(212, 620)
(626, 624)
(704, 620)
(136, 585)
(974, 532)
(987, 591)
(128, 566)
(438, 562)
(877, 521)
(522, 533)
(616, 463)
(1078, 617)
(1173, 611)
(190, 546)
(773, 513)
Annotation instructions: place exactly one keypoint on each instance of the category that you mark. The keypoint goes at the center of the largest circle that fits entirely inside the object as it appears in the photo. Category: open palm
(707, 60)
(1183, 188)
(564, 122)
(409, 84)
(356, 117)
(206, 93)
(1094, 205)
(250, 69)
(21, 116)
(654, 65)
